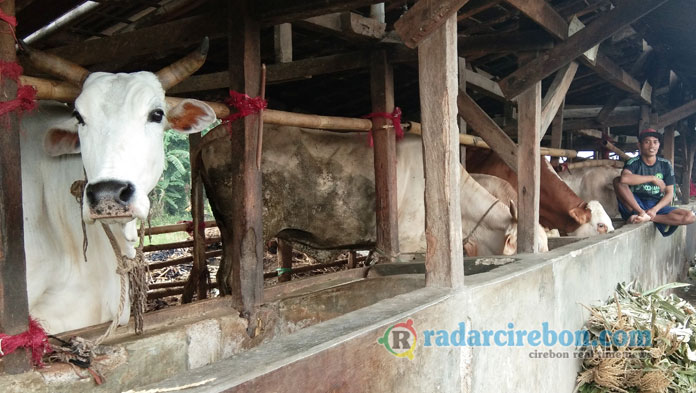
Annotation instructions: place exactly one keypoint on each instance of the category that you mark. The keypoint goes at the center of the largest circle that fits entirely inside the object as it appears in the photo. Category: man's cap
(649, 132)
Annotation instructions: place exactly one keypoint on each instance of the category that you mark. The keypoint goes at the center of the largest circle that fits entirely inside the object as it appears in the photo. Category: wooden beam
(384, 136)
(483, 84)
(676, 114)
(515, 41)
(157, 39)
(557, 132)
(615, 120)
(689, 151)
(346, 25)
(199, 275)
(274, 12)
(244, 281)
(282, 42)
(555, 96)
(14, 307)
(528, 164)
(478, 120)
(284, 260)
(425, 17)
(603, 27)
(541, 12)
(668, 144)
(612, 73)
(437, 70)
(461, 72)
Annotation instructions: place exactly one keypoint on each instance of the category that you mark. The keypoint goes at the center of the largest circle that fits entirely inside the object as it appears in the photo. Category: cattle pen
(363, 94)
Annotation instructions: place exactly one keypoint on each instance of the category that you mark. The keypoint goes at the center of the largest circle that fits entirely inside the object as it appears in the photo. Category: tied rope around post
(25, 100)
(34, 339)
(395, 117)
(245, 106)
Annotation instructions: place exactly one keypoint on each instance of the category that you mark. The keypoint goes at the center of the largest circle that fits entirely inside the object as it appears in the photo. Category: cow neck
(466, 239)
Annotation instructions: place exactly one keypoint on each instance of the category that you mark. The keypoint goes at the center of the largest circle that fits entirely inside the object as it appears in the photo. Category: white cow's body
(594, 183)
(59, 281)
(115, 136)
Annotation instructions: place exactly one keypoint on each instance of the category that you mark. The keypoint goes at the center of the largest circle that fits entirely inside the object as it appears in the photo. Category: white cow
(318, 190)
(117, 125)
(594, 183)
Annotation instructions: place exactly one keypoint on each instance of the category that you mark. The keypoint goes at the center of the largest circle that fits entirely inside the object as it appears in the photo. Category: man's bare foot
(636, 219)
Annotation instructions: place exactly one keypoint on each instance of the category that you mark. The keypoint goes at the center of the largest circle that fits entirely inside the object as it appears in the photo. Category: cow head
(510, 247)
(120, 120)
(593, 218)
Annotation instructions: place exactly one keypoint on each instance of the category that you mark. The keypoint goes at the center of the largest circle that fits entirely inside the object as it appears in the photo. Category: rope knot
(395, 118)
(34, 339)
(245, 106)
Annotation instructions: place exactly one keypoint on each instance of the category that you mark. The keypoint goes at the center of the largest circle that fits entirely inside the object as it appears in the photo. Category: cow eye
(79, 118)
(156, 116)
(600, 225)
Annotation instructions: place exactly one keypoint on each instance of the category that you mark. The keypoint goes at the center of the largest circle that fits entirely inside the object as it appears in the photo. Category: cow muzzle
(110, 199)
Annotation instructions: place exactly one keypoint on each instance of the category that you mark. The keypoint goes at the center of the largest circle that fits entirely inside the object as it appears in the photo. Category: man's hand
(652, 212)
(660, 183)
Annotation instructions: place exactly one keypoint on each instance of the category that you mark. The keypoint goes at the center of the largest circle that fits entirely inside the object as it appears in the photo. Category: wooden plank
(198, 277)
(274, 12)
(346, 25)
(425, 17)
(282, 42)
(157, 39)
(528, 163)
(481, 83)
(668, 144)
(461, 72)
(284, 261)
(14, 307)
(384, 136)
(644, 119)
(689, 150)
(603, 27)
(476, 6)
(283, 72)
(542, 13)
(244, 281)
(479, 121)
(615, 120)
(557, 132)
(437, 70)
(676, 114)
(612, 73)
(556, 95)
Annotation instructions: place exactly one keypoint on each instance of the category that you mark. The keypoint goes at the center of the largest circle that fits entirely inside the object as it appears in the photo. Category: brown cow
(559, 206)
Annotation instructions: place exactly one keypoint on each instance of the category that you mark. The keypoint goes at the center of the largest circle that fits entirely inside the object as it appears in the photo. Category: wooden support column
(282, 41)
(245, 280)
(384, 136)
(14, 313)
(284, 261)
(557, 132)
(437, 70)
(462, 122)
(689, 150)
(528, 164)
(668, 145)
(644, 121)
(198, 279)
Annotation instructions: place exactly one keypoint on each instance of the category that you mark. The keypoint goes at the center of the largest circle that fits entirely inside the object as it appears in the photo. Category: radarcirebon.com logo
(400, 339)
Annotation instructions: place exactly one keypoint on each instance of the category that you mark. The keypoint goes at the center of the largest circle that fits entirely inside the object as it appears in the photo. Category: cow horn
(54, 65)
(171, 75)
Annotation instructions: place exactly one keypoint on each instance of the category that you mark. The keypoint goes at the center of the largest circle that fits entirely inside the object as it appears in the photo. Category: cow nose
(110, 190)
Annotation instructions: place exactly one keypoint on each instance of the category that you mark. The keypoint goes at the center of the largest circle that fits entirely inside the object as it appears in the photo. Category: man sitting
(646, 187)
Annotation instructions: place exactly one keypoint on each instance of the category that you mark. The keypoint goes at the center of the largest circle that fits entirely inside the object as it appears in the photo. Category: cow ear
(582, 214)
(470, 249)
(513, 210)
(58, 142)
(510, 247)
(190, 116)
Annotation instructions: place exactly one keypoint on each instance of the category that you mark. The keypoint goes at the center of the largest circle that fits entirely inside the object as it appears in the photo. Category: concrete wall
(208, 346)
(343, 354)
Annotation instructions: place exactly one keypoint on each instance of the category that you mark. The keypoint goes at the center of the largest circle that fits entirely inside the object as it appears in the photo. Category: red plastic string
(26, 95)
(189, 226)
(34, 339)
(245, 106)
(10, 20)
(395, 117)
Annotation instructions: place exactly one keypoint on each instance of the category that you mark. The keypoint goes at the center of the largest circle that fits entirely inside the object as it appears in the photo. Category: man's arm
(631, 179)
(664, 201)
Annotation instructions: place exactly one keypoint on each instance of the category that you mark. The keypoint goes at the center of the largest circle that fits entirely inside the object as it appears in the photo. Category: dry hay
(666, 364)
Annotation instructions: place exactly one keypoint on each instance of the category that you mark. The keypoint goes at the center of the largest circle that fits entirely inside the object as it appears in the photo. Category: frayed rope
(395, 117)
(245, 106)
(26, 95)
(34, 339)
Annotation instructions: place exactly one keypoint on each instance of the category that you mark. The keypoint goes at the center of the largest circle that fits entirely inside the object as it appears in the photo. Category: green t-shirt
(662, 169)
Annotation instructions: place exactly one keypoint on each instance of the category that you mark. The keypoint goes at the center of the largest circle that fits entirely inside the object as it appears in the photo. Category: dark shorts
(645, 204)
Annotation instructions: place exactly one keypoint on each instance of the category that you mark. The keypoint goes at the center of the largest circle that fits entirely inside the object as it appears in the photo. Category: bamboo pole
(174, 228)
(595, 163)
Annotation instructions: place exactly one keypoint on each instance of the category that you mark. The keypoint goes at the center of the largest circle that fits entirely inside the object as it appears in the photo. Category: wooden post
(689, 150)
(557, 132)
(462, 122)
(14, 308)
(284, 260)
(382, 93)
(668, 145)
(644, 118)
(528, 164)
(245, 280)
(282, 40)
(437, 70)
(199, 277)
